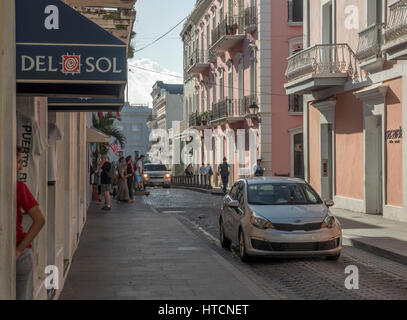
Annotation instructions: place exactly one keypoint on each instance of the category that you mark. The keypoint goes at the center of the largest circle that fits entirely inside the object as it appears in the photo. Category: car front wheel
(242, 248)
(225, 242)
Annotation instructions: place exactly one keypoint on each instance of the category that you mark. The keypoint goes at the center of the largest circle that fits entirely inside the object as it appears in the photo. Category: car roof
(266, 180)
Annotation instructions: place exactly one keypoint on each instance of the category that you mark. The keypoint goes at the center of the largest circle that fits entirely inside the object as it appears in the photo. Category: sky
(154, 18)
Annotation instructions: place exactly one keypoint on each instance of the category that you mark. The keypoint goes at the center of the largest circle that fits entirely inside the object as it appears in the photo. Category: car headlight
(260, 222)
(329, 222)
(145, 176)
(168, 176)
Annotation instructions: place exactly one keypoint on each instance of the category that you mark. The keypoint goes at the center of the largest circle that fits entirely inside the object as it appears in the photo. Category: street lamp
(254, 109)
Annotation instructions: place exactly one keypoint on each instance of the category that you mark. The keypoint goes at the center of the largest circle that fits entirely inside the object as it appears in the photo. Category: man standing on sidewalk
(139, 173)
(210, 174)
(223, 171)
(130, 180)
(106, 180)
(203, 173)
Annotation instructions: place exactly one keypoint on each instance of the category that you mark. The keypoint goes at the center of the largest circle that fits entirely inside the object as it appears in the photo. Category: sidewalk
(133, 252)
(383, 237)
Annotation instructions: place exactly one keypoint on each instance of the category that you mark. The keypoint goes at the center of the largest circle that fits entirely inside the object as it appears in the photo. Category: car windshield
(282, 194)
(155, 167)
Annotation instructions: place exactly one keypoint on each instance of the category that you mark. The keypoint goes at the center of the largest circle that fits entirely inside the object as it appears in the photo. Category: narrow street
(286, 279)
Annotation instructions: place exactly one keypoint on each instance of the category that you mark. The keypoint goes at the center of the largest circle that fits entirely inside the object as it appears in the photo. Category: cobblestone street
(379, 278)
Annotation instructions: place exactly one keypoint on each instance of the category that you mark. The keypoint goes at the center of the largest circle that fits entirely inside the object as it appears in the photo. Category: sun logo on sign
(71, 64)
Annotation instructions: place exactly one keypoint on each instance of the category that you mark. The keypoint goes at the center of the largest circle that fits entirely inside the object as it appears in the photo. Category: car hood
(292, 213)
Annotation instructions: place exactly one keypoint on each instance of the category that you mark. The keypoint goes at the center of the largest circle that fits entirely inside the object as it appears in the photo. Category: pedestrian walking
(189, 172)
(203, 173)
(97, 181)
(223, 171)
(24, 253)
(130, 179)
(209, 173)
(106, 181)
(258, 170)
(122, 187)
(139, 173)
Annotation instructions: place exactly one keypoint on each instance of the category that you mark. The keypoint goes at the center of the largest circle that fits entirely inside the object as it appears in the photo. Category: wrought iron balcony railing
(370, 41)
(250, 18)
(194, 119)
(219, 110)
(323, 59)
(247, 102)
(197, 57)
(397, 23)
(227, 27)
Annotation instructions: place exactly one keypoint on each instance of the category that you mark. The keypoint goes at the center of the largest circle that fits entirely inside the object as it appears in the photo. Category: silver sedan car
(278, 217)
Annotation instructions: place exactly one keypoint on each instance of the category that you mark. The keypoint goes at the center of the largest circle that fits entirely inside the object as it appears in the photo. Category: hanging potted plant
(204, 118)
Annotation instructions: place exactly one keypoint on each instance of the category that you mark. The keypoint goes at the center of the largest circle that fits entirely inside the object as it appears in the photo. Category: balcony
(395, 33)
(219, 112)
(197, 63)
(228, 34)
(211, 56)
(369, 50)
(321, 67)
(250, 19)
(194, 120)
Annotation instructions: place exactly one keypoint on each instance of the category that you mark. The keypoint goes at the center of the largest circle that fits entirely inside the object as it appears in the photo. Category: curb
(207, 191)
(384, 253)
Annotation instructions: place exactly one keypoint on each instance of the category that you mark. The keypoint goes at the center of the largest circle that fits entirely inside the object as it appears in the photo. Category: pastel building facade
(235, 55)
(354, 82)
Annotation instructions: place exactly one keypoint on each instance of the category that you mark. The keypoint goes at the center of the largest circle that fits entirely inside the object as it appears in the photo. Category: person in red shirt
(24, 254)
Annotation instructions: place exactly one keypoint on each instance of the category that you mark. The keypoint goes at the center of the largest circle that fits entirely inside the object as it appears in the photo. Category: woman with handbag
(123, 190)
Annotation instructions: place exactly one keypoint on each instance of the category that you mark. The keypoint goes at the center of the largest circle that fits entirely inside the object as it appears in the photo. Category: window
(253, 73)
(222, 87)
(374, 12)
(213, 88)
(240, 86)
(202, 100)
(295, 103)
(208, 98)
(135, 128)
(230, 91)
(295, 10)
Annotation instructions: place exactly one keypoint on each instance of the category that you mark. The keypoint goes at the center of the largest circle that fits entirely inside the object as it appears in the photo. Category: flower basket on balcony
(203, 117)
(231, 29)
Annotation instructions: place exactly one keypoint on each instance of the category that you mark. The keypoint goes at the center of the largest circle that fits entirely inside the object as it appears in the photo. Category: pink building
(354, 83)
(235, 56)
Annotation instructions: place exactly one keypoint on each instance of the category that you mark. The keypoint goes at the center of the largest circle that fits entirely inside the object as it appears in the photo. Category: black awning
(62, 53)
(85, 105)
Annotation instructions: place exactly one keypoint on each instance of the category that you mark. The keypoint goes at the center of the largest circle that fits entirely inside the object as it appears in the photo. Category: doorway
(327, 161)
(373, 171)
(298, 154)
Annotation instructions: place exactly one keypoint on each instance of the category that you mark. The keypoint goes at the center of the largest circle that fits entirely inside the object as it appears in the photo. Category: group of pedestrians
(206, 172)
(127, 176)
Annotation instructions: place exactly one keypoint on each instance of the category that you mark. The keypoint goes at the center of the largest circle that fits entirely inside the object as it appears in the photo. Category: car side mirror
(329, 203)
(233, 204)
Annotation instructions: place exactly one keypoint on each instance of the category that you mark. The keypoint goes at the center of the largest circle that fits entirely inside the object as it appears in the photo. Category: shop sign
(394, 136)
(56, 46)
